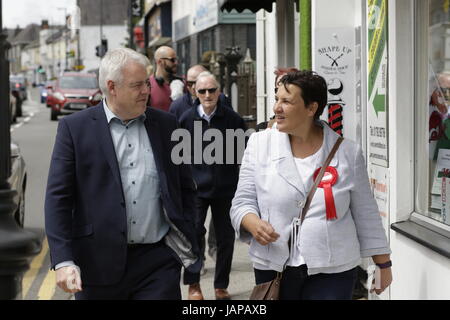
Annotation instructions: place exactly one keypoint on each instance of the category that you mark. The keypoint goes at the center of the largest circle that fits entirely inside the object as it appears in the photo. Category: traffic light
(104, 46)
(100, 51)
(97, 51)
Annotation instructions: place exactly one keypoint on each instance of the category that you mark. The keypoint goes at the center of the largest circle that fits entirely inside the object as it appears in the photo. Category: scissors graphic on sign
(334, 60)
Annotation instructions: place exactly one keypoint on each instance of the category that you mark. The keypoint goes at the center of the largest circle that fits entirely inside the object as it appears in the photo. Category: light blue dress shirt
(203, 114)
(140, 180)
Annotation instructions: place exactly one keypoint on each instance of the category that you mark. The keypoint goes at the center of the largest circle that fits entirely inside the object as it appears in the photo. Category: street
(35, 134)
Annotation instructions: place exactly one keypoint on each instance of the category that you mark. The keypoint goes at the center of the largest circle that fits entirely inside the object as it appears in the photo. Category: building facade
(200, 27)
(101, 19)
(388, 73)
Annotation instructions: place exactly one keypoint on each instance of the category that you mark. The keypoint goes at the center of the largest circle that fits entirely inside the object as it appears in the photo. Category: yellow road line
(35, 266)
(47, 289)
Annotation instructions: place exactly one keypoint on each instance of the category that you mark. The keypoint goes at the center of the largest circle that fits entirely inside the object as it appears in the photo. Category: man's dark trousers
(220, 215)
(152, 273)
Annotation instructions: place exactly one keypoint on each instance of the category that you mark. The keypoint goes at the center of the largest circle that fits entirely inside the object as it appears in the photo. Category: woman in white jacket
(319, 258)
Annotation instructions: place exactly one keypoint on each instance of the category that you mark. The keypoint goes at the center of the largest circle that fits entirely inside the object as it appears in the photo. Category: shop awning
(253, 5)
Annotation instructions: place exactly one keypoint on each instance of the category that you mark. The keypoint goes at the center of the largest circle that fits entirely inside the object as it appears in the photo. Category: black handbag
(270, 290)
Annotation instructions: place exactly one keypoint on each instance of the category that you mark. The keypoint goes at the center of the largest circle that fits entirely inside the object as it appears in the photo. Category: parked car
(12, 107)
(73, 92)
(18, 182)
(18, 86)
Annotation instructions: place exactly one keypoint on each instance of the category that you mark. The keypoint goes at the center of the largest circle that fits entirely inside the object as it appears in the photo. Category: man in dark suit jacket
(117, 208)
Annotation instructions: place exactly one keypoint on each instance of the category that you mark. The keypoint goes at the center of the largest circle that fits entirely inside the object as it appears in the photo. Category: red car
(73, 92)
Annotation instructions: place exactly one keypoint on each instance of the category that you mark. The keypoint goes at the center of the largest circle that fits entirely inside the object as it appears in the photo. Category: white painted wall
(181, 9)
(278, 52)
(90, 38)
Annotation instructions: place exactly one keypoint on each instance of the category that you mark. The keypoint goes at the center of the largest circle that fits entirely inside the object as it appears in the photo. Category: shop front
(387, 65)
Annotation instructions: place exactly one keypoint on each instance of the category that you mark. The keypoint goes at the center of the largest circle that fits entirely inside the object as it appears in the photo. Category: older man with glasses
(216, 182)
(187, 101)
(166, 86)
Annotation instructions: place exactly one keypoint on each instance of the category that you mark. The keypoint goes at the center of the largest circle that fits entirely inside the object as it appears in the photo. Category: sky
(24, 12)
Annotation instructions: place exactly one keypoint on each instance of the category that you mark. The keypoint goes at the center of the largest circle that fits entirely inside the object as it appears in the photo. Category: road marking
(47, 289)
(16, 126)
(36, 265)
(25, 120)
(28, 118)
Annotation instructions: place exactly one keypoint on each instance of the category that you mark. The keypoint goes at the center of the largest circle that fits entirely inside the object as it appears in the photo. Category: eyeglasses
(173, 60)
(190, 83)
(210, 91)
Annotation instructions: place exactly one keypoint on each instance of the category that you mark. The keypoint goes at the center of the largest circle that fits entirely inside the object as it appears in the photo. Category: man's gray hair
(112, 65)
(207, 74)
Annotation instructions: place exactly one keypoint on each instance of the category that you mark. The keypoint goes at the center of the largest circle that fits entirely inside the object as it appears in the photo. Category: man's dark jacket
(215, 180)
(85, 216)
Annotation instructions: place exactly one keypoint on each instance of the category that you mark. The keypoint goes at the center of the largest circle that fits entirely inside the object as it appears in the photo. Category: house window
(432, 83)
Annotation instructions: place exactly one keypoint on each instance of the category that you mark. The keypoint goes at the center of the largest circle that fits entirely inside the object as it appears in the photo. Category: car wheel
(20, 212)
(53, 115)
(19, 108)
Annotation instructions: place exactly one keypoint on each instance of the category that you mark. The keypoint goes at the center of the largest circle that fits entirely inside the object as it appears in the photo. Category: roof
(34, 44)
(11, 33)
(27, 35)
(55, 36)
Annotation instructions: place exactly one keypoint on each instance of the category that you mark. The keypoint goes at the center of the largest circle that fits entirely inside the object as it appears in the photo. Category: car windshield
(78, 83)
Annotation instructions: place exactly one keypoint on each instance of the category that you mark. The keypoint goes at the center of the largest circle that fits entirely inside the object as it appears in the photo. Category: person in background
(216, 182)
(187, 101)
(319, 256)
(119, 215)
(166, 86)
(178, 107)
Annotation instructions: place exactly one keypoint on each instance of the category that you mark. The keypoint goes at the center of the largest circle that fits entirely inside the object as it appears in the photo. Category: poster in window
(377, 66)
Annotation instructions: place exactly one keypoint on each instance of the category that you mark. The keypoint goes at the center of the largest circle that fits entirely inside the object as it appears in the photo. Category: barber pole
(335, 106)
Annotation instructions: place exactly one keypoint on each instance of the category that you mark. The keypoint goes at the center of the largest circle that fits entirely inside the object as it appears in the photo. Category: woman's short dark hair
(314, 88)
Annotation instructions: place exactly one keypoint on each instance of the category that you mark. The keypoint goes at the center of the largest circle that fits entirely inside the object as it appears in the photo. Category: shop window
(206, 42)
(184, 53)
(433, 86)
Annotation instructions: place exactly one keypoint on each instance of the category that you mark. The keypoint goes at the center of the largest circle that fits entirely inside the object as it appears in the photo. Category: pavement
(242, 278)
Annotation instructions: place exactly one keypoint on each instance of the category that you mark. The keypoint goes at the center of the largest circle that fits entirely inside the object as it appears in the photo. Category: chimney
(44, 24)
(17, 30)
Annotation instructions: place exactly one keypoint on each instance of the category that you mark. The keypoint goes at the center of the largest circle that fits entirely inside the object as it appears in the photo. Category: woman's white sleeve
(364, 209)
(245, 200)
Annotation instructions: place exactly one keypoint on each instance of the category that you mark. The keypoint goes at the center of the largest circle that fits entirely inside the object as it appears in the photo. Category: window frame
(432, 234)
(422, 175)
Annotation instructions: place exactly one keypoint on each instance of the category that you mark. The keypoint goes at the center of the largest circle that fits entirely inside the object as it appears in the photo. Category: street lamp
(17, 245)
(65, 37)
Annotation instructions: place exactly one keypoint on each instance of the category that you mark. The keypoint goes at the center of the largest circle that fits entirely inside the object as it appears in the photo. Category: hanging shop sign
(377, 66)
(206, 14)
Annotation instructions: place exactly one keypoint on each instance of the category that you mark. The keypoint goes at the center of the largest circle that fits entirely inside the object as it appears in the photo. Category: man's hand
(261, 230)
(69, 279)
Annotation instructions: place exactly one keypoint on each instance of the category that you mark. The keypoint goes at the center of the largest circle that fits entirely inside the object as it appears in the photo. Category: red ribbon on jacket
(328, 180)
